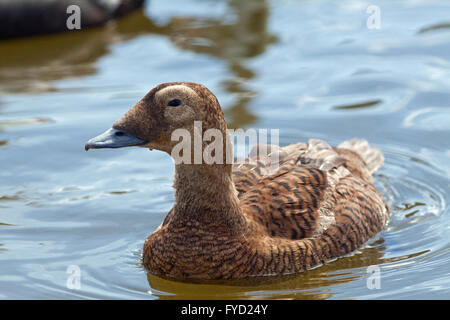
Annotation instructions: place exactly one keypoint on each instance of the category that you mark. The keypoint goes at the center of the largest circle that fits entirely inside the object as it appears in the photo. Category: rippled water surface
(309, 68)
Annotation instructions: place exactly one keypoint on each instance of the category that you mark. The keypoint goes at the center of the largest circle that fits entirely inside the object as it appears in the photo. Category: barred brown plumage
(247, 219)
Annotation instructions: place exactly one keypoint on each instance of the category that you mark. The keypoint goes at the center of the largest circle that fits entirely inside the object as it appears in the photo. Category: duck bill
(113, 138)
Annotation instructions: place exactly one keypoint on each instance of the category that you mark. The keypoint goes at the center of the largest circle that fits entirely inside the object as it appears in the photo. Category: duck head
(167, 107)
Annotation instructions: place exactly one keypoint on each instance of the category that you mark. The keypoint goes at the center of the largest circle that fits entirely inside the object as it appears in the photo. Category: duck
(24, 18)
(285, 211)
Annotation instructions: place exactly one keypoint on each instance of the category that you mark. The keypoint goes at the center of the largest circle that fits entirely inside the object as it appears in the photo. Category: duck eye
(174, 103)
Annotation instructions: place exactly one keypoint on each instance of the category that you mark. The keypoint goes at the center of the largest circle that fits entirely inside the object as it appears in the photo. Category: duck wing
(296, 197)
(286, 203)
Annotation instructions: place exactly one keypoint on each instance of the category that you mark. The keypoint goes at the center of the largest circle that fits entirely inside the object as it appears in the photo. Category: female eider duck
(249, 219)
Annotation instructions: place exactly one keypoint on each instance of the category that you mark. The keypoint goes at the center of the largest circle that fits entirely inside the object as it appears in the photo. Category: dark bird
(22, 18)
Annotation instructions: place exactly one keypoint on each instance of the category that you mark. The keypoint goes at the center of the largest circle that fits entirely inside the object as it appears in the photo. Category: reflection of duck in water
(314, 284)
(238, 35)
(19, 18)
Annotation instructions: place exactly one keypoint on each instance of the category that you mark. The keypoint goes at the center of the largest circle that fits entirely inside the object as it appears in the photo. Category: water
(309, 68)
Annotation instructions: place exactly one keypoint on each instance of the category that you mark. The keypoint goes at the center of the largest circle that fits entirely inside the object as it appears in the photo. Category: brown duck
(236, 220)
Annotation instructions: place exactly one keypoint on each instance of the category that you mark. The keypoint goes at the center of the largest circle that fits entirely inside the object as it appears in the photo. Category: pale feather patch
(183, 113)
(328, 160)
(326, 210)
(373, 157)
(179, 115)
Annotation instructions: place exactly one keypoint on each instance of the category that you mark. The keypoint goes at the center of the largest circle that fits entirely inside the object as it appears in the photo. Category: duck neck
(206, 194)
